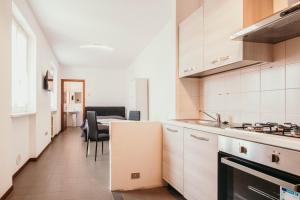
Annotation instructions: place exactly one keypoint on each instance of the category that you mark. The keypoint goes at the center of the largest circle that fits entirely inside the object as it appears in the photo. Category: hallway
(64, 173)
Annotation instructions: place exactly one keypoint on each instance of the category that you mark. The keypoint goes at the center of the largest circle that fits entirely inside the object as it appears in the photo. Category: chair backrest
(135, 115)
(92, 125)
(107, 111)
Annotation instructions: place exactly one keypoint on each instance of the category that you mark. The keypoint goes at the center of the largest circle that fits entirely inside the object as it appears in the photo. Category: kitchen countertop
(274, 140)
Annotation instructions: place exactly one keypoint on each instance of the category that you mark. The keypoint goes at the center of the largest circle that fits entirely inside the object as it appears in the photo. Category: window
(53, 93)
(23, 72)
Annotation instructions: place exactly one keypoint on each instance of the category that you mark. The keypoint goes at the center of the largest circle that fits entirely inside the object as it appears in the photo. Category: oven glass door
(241, 181)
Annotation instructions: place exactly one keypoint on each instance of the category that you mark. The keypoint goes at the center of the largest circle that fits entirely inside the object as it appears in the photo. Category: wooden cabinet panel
(191, 44)
(256, 10)
(173, 156)
(200, 165)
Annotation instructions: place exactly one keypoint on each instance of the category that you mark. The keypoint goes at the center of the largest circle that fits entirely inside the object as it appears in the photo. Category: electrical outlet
(19, 159)
(135, 175)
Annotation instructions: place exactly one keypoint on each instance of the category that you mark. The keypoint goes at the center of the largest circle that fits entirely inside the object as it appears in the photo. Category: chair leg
(96, 150)
(87, 147)
(102, 147)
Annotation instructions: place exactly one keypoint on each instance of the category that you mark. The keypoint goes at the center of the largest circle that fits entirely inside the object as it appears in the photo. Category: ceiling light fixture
(97, 46)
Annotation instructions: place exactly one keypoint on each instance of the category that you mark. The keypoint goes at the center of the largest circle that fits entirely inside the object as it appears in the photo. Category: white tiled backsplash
(261, 93)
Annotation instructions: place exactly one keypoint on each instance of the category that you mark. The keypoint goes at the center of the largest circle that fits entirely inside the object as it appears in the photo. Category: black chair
(93, 134)
(134, 115)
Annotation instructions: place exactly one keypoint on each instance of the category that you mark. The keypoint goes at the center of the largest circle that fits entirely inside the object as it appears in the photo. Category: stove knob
(243, 150)
(275, 158)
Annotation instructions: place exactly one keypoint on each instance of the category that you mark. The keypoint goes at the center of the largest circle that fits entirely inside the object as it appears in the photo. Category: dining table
(107, 121)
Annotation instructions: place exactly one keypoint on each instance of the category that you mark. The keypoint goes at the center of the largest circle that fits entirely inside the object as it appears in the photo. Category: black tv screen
(48, 81)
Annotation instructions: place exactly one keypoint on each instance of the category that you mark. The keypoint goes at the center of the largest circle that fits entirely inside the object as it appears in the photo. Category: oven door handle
(272, 179)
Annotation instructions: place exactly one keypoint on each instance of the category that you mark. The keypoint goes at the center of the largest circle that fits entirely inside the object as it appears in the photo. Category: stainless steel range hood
(279, 27)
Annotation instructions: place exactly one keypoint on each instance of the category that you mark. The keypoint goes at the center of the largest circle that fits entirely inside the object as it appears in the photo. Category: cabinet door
(221, 20)
(191, 44)
(173, 156)
(200, 165)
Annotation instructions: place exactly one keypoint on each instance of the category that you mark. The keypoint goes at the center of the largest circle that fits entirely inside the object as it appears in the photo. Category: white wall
(104, 86)
(31, 134)
(5, 92)
(267, 93)
(57, 114)
(157, 62)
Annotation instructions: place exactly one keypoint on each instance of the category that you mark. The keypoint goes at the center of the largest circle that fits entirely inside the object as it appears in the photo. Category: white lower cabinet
(190, 162)
(200, 165)
(173, 156)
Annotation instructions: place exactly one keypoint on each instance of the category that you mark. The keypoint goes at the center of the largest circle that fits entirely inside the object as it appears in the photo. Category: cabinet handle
(185, 70)
(200, 138)
(224, 58)
(172, 130)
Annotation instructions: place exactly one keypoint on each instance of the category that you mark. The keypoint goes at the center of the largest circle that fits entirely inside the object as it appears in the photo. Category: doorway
(72, 102)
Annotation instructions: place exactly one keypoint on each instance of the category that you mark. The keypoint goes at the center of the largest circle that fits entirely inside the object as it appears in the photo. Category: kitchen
(221, 87)
(247, 72)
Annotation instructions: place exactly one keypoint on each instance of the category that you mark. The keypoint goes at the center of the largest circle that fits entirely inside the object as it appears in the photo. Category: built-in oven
(253, 171)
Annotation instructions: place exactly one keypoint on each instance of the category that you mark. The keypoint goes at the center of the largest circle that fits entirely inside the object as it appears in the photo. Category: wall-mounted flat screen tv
(48, 81)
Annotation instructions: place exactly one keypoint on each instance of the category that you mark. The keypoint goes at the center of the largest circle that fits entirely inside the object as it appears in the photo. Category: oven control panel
(275, 157)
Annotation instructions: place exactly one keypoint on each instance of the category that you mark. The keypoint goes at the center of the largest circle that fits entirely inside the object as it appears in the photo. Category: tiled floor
(64, 173)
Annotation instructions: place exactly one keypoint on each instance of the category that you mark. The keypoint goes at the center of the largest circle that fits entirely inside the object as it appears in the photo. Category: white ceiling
(126, 25)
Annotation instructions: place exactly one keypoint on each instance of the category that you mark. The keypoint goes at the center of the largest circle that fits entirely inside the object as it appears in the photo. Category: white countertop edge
(274, 140)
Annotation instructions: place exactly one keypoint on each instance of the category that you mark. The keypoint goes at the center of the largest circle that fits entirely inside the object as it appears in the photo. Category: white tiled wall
(269, 92)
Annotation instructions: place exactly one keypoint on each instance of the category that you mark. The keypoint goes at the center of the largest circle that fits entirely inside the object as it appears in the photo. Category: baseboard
(59, 132)
(28, 161)
(21, 168)
(7, 193)
(38, 157)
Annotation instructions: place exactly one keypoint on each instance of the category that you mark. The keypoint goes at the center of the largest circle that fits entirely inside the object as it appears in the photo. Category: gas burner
(286, 129)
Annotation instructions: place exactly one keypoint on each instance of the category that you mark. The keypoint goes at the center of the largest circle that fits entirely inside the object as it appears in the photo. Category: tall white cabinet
(139, 97)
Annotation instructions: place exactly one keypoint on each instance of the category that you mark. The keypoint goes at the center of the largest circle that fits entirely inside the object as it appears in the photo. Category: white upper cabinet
(221, 20)
(191, 44)
(205, 46)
